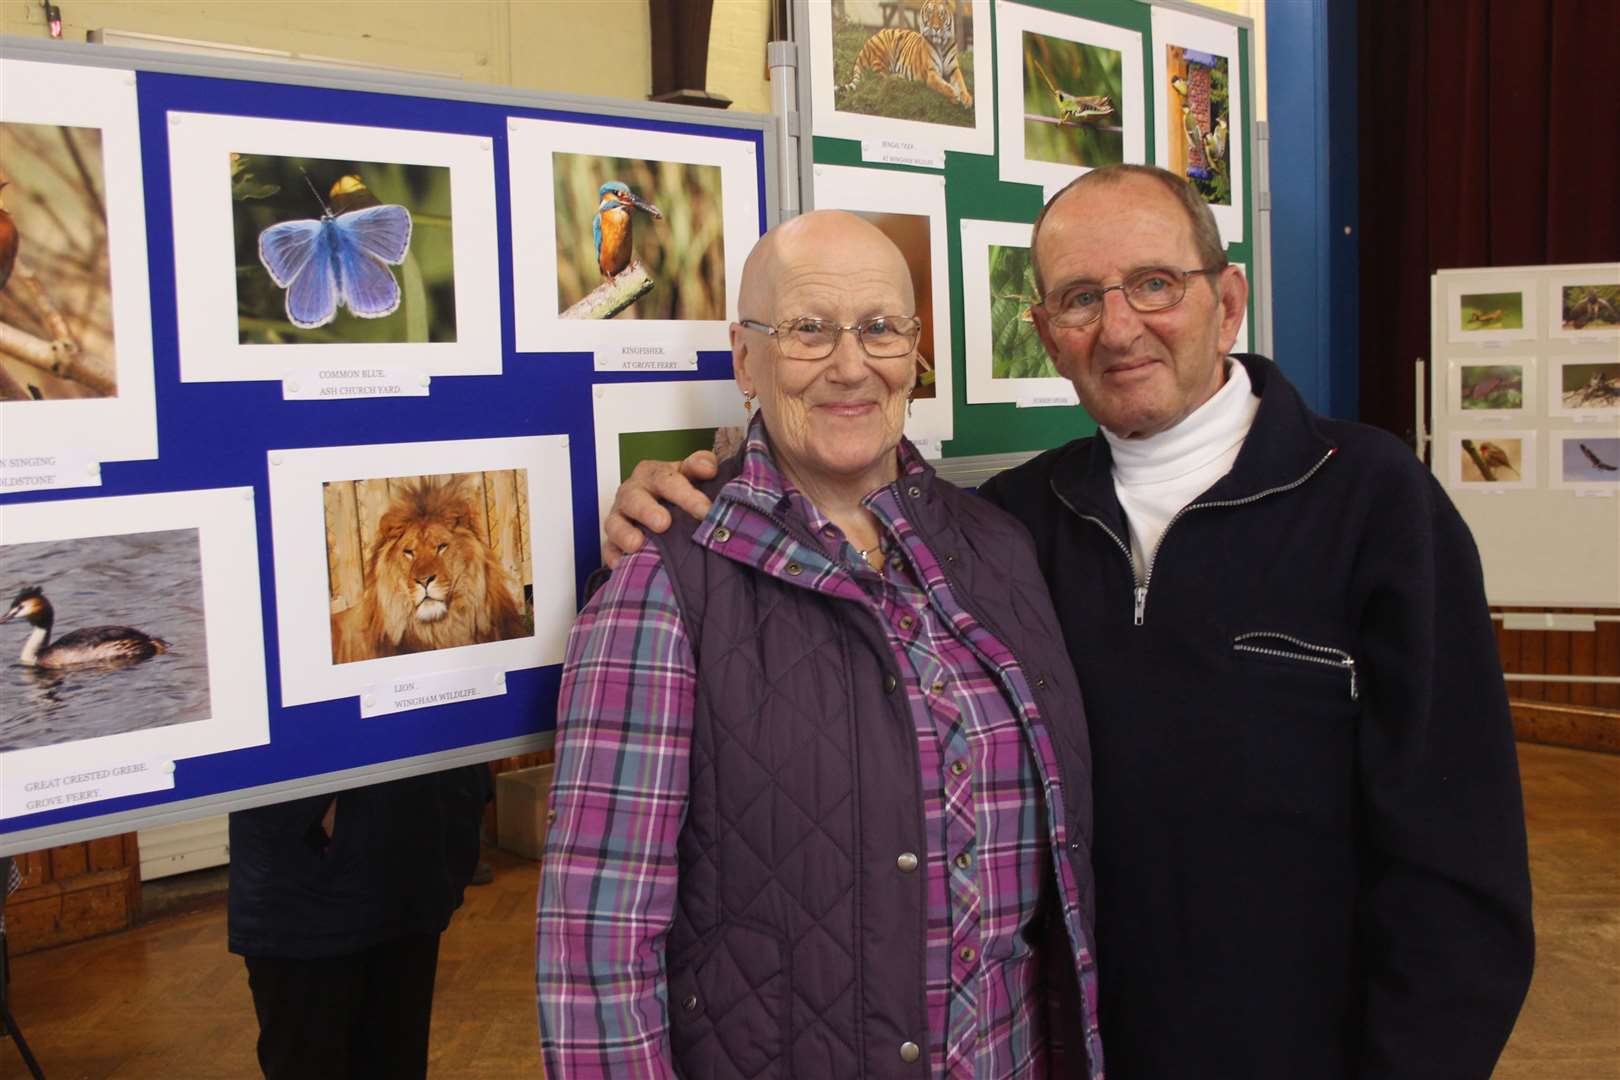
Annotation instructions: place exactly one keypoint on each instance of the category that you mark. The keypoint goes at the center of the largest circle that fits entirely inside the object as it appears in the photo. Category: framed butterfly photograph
(342, 251)
(300, 245)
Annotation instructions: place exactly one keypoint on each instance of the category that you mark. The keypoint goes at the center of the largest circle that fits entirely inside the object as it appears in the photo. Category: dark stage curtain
(1489, 136)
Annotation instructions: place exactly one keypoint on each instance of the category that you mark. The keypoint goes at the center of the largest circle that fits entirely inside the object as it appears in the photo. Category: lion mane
(431, 581)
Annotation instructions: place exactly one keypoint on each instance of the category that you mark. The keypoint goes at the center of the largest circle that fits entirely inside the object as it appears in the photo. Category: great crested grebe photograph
(100, 636)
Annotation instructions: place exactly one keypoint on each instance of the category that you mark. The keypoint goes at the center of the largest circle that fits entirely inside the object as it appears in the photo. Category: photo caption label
(48, 471)
(428, 691)
(645, 358)
(352, 383)
(37, 792)
(902, 152)
(1046, 400)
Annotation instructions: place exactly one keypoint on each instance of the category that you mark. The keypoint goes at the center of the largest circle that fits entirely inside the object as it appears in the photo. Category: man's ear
(1044, 330)
(1233, 293)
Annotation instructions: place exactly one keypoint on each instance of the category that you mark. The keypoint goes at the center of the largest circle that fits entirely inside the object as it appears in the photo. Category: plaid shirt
(625, 714)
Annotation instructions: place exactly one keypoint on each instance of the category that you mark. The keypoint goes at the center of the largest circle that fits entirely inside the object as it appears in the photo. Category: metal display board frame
(1001, 434)
(217, 434)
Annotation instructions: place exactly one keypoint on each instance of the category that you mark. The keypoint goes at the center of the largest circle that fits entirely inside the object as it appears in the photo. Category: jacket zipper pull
(1141, 602)
(1355, 691)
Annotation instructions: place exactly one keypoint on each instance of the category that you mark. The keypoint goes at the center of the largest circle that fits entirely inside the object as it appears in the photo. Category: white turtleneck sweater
(1155, 477)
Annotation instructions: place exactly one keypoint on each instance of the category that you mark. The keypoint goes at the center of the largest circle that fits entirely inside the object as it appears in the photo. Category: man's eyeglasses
(884, 337)
(1081, 303)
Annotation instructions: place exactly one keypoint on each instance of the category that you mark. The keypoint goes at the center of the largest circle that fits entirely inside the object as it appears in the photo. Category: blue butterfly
(338, 259)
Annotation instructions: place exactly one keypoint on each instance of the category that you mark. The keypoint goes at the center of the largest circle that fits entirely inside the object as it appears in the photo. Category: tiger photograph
(904, 61)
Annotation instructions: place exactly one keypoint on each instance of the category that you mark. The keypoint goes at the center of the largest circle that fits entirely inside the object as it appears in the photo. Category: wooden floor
(168, 1001)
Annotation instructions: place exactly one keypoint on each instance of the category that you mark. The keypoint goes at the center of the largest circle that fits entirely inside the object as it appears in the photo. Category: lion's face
(429, 561)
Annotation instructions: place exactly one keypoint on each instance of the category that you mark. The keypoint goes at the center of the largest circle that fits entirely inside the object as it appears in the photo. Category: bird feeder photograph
(1071, 95)
(301, 247)
(918, 72)
(628, 238)
(1198, 82)
(133, 629)
(342, 251)
(75, 318)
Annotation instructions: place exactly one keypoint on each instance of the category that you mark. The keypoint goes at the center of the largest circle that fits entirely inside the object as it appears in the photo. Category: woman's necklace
(867, 553)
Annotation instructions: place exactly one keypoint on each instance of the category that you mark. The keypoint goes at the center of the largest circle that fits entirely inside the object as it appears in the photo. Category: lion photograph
(427, 562)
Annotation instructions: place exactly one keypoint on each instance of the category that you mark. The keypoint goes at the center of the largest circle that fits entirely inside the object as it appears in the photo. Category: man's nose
(1120, 324)
(849, 357)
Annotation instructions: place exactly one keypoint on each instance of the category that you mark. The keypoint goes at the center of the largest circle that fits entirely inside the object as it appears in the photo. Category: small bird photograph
(1591, 307)
(100, 636)
(1015, 347)
(1487, 313)
(1591, 460)
(56, 311)
(1497, 460)
(638, 239)
(341, 251)
(1492, 387)
(1198, 112)
(1073, 102)
(911, 60)
(1594, 387)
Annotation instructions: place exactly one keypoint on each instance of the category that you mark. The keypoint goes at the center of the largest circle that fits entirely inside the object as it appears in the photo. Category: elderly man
(1309, 847)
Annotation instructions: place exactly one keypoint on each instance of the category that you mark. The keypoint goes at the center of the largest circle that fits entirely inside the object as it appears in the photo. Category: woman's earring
(748, 403)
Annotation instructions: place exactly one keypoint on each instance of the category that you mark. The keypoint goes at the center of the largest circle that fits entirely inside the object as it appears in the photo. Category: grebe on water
(92, 645)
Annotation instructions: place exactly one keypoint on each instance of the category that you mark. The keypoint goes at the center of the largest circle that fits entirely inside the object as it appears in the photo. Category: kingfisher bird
(611, 226)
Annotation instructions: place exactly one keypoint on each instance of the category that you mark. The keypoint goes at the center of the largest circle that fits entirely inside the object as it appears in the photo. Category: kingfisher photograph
(1198, 115)
(1073, 102)
(908, 61)
(101, 635)
(331, 251)
(56, 305)
(638, 239)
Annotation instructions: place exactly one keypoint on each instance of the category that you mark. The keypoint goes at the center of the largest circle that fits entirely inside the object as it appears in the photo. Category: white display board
(1525, 394)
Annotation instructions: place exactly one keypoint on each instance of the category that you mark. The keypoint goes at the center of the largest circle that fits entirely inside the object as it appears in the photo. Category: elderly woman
(822, 802)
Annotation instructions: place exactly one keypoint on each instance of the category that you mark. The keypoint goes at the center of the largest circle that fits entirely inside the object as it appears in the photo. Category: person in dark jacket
(1310, 847)
(810, 816)
(336, 904)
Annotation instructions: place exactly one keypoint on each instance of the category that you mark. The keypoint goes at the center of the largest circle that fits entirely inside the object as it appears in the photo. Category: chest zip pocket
(1285, 647)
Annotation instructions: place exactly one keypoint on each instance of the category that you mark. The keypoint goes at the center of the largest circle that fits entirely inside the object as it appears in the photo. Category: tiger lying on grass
(928, 56)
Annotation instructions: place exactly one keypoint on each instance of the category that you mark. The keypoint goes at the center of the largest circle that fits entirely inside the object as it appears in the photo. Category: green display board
(974, 189)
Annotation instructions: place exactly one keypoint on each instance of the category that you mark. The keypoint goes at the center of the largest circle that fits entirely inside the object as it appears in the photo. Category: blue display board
(217, 434)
